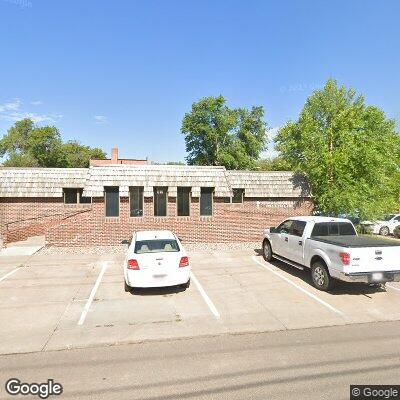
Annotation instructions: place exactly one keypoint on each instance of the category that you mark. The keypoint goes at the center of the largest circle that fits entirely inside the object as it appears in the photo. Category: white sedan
(156, 259)
(382, 227)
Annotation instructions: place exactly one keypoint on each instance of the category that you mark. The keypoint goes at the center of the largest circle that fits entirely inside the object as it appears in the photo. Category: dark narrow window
(160, 201)
(70, 196)
(84, 199)
(206, 201)
(136, 201)
(112, 201)
(237, 195)
(183, 199)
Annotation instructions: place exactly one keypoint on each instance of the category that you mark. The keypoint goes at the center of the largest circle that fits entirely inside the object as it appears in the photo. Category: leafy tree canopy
(27, 145)
(218, 135)
(277, 163)
(349, 151)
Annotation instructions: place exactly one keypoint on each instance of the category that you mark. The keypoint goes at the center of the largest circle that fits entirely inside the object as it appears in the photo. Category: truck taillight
(345, 257)
(133, 264)
(184, 262)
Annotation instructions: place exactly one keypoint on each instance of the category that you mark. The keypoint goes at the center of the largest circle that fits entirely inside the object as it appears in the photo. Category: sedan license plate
(159, 275)
(377, 276)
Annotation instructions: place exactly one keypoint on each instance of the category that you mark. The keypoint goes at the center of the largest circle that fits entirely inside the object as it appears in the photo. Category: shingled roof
(149, 176)
(269, 183)
(40, 182)
(49, 182)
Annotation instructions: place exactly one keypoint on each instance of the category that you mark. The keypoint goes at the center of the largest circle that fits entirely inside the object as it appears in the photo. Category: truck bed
(357, 241)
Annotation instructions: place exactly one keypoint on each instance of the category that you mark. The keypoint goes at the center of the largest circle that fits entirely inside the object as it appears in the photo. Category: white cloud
(37, 103)
(11, 111)
(12, 105)
(17, 116)
(101, 119)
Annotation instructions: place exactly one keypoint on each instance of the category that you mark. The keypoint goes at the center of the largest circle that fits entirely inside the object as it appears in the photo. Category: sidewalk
(24, 248)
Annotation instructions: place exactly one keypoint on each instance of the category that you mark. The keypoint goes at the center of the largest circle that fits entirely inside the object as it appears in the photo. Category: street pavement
(314, 363)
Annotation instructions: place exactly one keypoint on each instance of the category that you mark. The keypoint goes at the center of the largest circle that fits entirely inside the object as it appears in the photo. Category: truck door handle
(286, 239)
(300, 242)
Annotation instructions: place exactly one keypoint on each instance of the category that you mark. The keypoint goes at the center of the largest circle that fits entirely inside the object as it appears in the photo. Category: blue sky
(123, 73)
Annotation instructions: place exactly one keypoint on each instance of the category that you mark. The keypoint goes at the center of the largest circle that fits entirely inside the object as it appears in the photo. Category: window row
(160, 202)
(136, 200)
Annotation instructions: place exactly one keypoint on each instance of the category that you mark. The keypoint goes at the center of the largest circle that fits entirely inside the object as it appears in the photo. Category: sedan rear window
(156, 246)
(333, 229)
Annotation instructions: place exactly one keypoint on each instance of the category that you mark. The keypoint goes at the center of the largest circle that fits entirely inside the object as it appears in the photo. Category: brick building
(95, 162)
(102, 205)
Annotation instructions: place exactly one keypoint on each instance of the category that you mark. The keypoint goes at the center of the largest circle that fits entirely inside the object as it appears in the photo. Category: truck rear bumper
(371, 277)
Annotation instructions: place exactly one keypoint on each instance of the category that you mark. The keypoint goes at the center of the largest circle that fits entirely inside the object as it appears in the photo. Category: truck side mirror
(273, 229)
(125, 241)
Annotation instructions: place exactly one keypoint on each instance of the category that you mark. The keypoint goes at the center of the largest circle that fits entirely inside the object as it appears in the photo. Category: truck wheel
(127, 287)
(267, 251)
(320, 276)
(384, 231)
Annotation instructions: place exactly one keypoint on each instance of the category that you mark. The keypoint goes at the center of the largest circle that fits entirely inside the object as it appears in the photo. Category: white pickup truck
(331, 248)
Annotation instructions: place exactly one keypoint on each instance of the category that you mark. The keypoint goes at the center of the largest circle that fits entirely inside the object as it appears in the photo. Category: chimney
(114, 155)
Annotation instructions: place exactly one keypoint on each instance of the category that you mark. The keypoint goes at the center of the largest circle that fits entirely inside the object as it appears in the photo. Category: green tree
(218, 135)
(78, 156)
(349, 152)
(27, 145)
(277, 163)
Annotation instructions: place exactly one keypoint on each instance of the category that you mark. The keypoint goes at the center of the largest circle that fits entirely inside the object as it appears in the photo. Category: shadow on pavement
(340, 286)
(159, 291)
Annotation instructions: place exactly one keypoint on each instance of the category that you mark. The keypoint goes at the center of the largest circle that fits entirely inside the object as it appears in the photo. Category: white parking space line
(92, 294)
(208, 301)
(9, 274)
(312, 295)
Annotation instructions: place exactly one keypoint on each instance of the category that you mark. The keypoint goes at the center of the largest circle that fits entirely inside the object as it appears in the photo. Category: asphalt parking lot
(52, 302)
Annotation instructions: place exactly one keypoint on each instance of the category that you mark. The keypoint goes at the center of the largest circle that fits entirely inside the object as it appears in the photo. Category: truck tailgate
(368, 259)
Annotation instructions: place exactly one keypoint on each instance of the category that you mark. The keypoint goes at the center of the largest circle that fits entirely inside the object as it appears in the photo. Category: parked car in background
(156, 259)
(382, 227)
(331, 249)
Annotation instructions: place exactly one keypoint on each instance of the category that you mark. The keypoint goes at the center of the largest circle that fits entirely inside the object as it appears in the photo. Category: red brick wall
(21, 218)
(230, 222)
(84, 225)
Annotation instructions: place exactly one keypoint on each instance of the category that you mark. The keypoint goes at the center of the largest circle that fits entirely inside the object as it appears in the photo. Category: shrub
(364, 229)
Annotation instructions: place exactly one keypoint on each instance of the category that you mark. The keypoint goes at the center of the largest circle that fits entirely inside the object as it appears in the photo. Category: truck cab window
(298, 228)
(346, 229)
(285, 226)
(333, 229)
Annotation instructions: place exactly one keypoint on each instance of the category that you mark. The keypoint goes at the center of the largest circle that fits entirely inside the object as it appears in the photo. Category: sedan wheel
(384, 231)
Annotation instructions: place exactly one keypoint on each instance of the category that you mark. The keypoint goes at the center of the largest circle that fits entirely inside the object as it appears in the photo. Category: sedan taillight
(184, 262)
(345, 257)
(133, 264)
